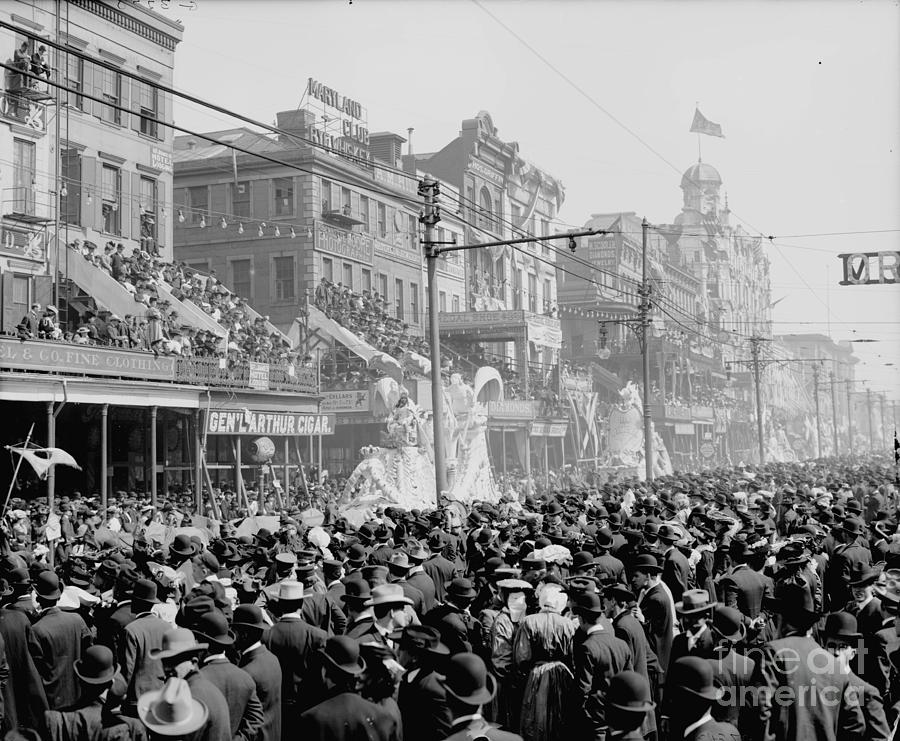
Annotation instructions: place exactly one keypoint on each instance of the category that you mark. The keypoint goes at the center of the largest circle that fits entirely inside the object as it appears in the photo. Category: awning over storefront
(383, 362)
(34, 388)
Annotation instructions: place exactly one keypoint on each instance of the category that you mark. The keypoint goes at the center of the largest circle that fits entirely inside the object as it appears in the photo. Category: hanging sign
(276, 424)
(870, 268)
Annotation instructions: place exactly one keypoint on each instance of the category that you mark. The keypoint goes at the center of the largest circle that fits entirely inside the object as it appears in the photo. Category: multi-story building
(509, 317)
(92, 164)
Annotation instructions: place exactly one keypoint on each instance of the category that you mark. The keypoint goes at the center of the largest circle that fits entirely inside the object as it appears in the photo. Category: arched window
(486, 210)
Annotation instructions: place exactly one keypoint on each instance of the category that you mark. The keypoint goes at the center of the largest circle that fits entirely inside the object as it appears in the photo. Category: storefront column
(238, 480)
(51, 442)
(287, 469)
(153, 453)
(319, 459)
(503, 435)
(198, 464)
(547, 462)
(528, 484)
(104, 481)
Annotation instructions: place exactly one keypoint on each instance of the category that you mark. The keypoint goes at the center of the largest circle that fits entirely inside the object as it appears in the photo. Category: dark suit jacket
(676, 573)
(609, 568)
(659, 624)
(244, 708)
(413, 593)
(441, 571)
(713, 730)
(56, 642)
(875, 666)
(732, 671)
(217, 727)
(793, 663)
(597, 658)
(479, 728)
(348, 717)
(844, 560)
(425, 584)
(743, 589)
(423, 705)
(869, 619)
(265, 671)
(140, 637)
(877, 728)
(111, 628)
(24, 697)
(643, 660)
(323, 611)
(294, 644)
(703, 648)
(460, 632)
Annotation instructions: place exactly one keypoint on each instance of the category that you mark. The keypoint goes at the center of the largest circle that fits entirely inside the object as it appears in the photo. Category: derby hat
(554, 508)
(96, 665)
(645, 562)
(669, 533)
(582, 560)
(388, 594)
(356, 591)
(851, 526)
(423, 638)
(581, 584)
(46, 584)
(177, 642)
(374, 571)
(467, 679)
(356, 553)
(604, 538)
(19, 578)
(728, 623)
(416, 551)
(461, 588)
(842, 626)
(213, 629)
(694, 675)
(589, 602)
(248, 616)
(172, 711)
(399, 563)
(629, 691)
(144, 591)
(619, 592)
(182, 545)
(693, 602)
(342, 653)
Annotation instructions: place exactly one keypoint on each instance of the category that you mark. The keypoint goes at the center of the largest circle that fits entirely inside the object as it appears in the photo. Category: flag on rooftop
(702, 125)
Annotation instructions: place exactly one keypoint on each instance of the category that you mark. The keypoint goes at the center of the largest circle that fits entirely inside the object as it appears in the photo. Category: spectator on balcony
(155, 336)
(23, 331)
(33, 319)
(39, 65)
(82, 336)
(49, 326)
(22, 62)
(118, 266)
(115, 330)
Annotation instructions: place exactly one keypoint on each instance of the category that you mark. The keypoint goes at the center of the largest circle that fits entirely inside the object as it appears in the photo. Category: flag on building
(702, 125)
(42, 458)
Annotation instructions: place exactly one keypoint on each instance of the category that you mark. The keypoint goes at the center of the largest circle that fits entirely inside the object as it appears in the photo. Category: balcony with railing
(69, 359)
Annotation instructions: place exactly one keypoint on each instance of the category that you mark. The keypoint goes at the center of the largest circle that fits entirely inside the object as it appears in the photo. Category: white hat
(172, 711)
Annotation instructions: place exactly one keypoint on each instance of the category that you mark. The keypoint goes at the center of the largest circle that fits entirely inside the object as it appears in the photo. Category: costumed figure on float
(626, 438)
(400, 472)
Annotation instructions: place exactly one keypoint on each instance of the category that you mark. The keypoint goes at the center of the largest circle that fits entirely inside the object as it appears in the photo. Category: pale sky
(807, 93)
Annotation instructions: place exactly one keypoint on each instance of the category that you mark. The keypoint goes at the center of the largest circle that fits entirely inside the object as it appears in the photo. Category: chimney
(294, 122)
(409, 133)
(386, 147)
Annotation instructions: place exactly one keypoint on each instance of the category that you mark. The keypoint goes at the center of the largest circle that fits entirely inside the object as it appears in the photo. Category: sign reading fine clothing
(94, 361)
(246, 422)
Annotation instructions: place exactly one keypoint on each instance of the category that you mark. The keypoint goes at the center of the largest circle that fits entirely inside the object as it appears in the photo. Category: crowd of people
(159, 327)
(748, 603)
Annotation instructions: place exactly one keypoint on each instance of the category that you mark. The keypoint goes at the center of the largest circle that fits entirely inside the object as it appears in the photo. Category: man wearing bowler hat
(469, 686)
(237, 687)
(694, 612)
(460, 631)
(57, 641)
(676, 569)
(851, 555)
(629, 707)
(790, 666)
(689, 703)
(140, 638)
(249, 626)
(423, 697)
(732, 671)
(345, 715)
(656, 609)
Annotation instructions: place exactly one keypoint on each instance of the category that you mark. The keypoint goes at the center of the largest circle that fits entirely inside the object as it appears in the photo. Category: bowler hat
(728, 623)
(47, 585)
(212, 627)
(862, 575)
(342, 653)
(694, 675)
(144, 590)
(589, 602)
(248, 616)
(619, 592)
(582, 560)
(461, 588)
(356, 553)
(182, 545)
(468, 680)
(629, 691)
(604, 538)
(668, 533)
(96, 665)
(645, 562)
(356, 591)
(851, 526)
(841, 625)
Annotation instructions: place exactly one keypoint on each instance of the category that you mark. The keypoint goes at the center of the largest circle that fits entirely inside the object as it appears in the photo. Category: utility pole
(884, 429)
(818, 418)
(754, 352)
(834, 424)
(849, 419)
(430, 190)
(869, 415)
(645, 349)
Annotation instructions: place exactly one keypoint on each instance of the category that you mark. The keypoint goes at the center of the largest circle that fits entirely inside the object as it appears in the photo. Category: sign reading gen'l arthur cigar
(279, 424)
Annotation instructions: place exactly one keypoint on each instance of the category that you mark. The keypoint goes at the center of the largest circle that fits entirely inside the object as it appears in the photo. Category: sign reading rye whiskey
(870, 268)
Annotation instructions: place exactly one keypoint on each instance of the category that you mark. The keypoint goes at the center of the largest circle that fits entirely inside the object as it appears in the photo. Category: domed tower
(700, 185)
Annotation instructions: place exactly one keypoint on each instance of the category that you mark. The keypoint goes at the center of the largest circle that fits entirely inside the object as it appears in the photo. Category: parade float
(400, 471)
(625, 439)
